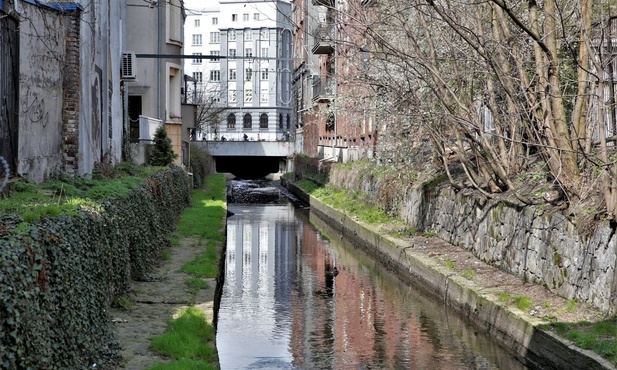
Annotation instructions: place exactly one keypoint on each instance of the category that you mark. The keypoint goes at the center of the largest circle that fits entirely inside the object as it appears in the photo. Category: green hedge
(58, 275)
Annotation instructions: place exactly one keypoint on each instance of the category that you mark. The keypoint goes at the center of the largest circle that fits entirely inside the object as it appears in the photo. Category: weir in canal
(297, 295)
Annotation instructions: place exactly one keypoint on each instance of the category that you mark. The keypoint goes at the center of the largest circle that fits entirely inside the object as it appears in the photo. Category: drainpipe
(158, 62)
(335, 87)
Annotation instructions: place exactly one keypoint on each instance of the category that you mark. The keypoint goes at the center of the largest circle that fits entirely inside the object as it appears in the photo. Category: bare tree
(209, 109)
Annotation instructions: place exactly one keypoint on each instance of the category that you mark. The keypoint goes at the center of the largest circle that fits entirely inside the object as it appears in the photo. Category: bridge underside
(248, 167)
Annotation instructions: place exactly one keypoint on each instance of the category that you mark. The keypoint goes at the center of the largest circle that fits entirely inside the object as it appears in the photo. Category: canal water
(297, 295)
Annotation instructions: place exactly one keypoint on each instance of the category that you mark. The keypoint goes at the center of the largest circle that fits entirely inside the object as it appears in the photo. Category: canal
(297, 295)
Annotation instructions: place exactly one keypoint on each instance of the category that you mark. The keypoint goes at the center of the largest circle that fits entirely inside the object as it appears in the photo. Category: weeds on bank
(67, 194)
(352, 204)
(600, 337)
(189, 340)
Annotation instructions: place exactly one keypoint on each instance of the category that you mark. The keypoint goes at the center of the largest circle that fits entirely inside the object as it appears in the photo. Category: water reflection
(284, 306)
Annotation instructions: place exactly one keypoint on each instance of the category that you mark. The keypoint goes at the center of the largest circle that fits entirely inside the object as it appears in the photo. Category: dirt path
(157, 301)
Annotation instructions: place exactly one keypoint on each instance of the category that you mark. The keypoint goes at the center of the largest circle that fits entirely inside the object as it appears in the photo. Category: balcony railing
(329, 3)
(324, 39)
(147, 127)
(323, 89)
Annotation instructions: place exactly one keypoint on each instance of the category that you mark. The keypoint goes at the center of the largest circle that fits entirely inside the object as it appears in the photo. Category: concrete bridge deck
(281, 149)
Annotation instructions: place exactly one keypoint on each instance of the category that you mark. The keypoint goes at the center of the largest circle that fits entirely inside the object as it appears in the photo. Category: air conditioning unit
(128, 66)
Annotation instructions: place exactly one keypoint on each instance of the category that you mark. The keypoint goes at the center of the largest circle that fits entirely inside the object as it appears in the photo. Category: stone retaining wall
(541, 247)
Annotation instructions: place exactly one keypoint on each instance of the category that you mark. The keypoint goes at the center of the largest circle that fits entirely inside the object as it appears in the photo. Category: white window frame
(215, 75)
(197, 60)
(232, 74)
(248, 96)
(215, 37)
(197, 39)
(231, 35)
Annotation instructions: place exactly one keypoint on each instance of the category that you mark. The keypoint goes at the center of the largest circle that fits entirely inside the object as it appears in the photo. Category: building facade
(154, 48)
(251, 81)
(334, 111)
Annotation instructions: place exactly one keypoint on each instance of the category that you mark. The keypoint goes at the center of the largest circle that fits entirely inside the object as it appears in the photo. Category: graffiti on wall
(33, 108)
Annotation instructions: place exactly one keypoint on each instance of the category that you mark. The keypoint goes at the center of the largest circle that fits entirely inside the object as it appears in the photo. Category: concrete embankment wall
(540, 246)
(514, 330)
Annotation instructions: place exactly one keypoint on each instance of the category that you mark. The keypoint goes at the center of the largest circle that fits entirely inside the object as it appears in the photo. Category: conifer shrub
(162, 152)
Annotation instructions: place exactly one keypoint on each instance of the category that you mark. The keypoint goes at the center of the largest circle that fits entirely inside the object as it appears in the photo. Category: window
(215, 20)
(263, 120)
(196, 40)
(264, 74)
(288, 121)
(215, 37)
(248, 96)
(198, 76)
(281, 121)
(232, 96)
(248, 52)
(215, 53)
(263, 34)
(264, 52)
(264, 96)
(248, 74)
(232, 54)
(231, 35)
(245, 17)
(232, 74)
(234, 17)
(215, 75)
(248, 35)
(197, 22)
(197, 60)
(256, 16)
(231, 120)
(248, 121)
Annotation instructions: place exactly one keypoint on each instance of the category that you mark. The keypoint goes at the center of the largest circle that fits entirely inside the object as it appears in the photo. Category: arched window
(248, 121)
(231, 121)
(263, 120)
(288, 121)
(281, 121)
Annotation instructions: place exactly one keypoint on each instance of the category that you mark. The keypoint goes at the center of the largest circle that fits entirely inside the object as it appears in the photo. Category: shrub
(162, 152)
(201, 166)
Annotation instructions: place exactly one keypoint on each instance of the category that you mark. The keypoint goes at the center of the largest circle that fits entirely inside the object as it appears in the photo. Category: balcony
(323, 89)
(329, 3)
(147, 128)
(324, 39)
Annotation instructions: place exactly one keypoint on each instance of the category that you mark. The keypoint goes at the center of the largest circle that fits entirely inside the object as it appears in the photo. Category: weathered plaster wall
(42, 39)
(540, 247)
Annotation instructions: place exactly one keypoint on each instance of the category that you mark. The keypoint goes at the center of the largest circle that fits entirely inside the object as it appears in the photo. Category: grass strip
(189, 340)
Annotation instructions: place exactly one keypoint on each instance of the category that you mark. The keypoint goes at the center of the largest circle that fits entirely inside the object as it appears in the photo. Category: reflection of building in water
(258, 259)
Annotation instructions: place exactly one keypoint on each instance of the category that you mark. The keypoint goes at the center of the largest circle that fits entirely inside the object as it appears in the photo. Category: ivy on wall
(58, 275)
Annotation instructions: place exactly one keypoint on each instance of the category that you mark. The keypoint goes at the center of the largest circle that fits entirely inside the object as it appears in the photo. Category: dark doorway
(134, 113)
(9, 92)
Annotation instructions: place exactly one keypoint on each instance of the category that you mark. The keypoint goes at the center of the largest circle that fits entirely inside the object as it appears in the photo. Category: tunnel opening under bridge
(250, 168)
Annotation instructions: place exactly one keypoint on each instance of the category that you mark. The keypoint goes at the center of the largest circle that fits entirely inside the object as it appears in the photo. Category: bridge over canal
(250, 159)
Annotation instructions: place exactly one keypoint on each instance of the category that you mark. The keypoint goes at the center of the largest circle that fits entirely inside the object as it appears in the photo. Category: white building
(252, 79)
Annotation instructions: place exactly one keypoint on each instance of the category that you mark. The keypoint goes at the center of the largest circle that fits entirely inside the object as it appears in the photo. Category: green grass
(353, 204)
(66, 195)
(195, 284)
(600, 337)
(523, 303)
(183, 365)
(188, 337)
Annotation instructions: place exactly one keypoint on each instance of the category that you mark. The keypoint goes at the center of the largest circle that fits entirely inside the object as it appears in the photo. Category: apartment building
(246, 68)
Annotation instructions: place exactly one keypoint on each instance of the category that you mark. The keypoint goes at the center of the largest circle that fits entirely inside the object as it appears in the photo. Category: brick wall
(71, 88)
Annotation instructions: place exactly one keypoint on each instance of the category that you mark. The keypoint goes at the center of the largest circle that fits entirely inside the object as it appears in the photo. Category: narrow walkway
(156, 302)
